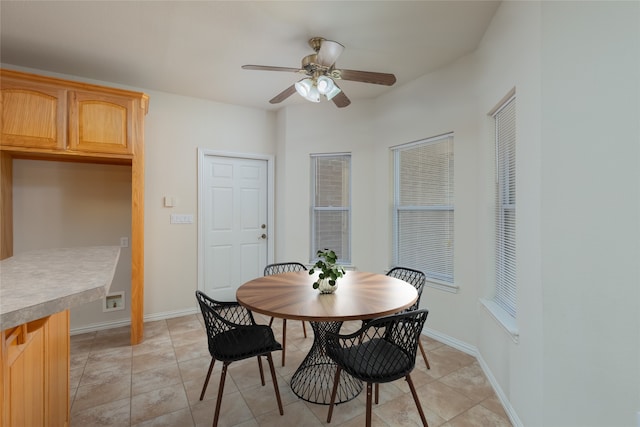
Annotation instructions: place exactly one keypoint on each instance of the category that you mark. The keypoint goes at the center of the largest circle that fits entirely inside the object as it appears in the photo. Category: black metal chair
(418, 280)
(278, 268)
(381, 351)
(233, 335)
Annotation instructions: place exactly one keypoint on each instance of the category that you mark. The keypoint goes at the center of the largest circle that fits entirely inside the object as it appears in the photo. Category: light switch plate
(181, 219)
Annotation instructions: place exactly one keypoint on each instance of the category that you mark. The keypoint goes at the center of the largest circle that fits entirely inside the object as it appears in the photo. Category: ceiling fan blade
(329, 53)
(367, 77)
(283, 95)
(270, 68)
(341, 100)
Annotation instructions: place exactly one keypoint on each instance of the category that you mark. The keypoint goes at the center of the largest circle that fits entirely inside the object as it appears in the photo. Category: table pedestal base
(313, 380)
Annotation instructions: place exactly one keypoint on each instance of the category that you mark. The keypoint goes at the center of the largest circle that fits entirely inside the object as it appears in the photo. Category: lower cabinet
(35, 373)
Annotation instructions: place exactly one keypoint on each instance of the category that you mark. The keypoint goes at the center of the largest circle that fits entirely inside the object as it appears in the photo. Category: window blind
(331, 205)
(424, 207)
(506, 287)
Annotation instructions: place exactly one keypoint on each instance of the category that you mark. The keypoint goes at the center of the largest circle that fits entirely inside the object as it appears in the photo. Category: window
(331, 205)
(505, 128)
(423, 208)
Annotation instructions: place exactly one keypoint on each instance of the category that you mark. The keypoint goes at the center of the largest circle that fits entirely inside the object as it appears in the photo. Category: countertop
(39, 283)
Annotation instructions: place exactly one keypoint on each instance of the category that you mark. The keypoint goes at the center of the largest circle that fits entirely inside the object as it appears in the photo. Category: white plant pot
(325, 288)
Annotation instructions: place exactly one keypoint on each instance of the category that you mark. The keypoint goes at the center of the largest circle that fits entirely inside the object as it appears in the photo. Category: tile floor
(158, 383)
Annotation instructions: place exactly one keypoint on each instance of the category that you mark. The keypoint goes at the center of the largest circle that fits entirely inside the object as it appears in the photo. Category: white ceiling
(196, 48)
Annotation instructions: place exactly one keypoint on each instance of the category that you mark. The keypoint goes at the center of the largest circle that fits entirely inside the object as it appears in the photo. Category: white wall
(324, 128)
(590, 204)
(175, 128)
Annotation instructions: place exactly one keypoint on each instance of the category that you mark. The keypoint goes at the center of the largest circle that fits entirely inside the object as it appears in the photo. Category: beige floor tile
(189, 337)
(192, 351)
(262, 399)
(234, 410)
(478, 416)
(443, 400)
(111, 414)
(197, 368)
(493, 404)
(150, 345)
(360, 421)
(158, 383)
(151, 379)
(342, 412)
(97, 394)
(180, 418)
(117, 358)
(470, 381)
(193, 388)
(156, 359)
(105, 376)
(157, 402)
(402, 411)
(295, 414)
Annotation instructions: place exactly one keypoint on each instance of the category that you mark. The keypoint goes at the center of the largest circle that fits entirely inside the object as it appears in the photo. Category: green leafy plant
(328, 268)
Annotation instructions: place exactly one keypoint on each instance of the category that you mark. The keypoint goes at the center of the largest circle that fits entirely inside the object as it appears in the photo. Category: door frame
(204, 153)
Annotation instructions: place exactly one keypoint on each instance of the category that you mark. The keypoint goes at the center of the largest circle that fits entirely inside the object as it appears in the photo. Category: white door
(234, 223)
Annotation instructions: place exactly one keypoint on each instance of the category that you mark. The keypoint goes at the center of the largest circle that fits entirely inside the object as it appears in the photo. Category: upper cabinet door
(33, 115)
(100, 123)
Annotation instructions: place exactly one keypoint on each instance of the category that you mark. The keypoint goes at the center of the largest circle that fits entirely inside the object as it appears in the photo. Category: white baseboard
(127, 322)
(473, 351)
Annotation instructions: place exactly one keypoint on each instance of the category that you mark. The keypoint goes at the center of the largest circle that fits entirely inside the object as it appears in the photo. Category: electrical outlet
(124, 242)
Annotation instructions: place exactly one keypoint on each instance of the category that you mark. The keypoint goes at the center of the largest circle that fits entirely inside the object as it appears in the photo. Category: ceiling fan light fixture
(325, 85)
(303, 87)
(314, 95)
(333, 92)
(308, 90)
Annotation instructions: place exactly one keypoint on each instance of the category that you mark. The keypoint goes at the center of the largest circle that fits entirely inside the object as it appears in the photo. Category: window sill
(503, 318)
(442, 286)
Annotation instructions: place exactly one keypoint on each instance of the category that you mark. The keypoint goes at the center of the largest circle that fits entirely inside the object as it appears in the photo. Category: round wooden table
(359, 296)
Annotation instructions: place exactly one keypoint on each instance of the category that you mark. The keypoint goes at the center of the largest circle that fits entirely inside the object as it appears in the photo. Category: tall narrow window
(331, 205)
(505, 125)
(424, 207)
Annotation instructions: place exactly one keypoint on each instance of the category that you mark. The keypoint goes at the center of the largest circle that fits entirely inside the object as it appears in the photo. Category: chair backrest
(402, 330)
(414, 277)
(382, 350)
(283, 267)
(221, 316)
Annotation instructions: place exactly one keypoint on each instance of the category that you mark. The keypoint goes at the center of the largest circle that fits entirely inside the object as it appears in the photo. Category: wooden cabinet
(33, 114)
(100, 123)
(47, 118)
(35, 371)
(47, 115)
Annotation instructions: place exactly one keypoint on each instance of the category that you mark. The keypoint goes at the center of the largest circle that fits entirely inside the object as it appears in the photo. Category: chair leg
(261, 371)
(284, 338)
(415, 398)
(304, 329)
(270, 322)
(206, 381)
(368, 418)
(377, 392)
(220, 391)
(336, 381)
(424, 355)
(275, 383)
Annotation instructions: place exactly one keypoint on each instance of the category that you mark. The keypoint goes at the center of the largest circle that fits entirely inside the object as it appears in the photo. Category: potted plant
(329, 271)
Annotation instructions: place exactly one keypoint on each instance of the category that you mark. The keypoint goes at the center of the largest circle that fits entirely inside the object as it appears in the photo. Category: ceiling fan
(321, 75)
